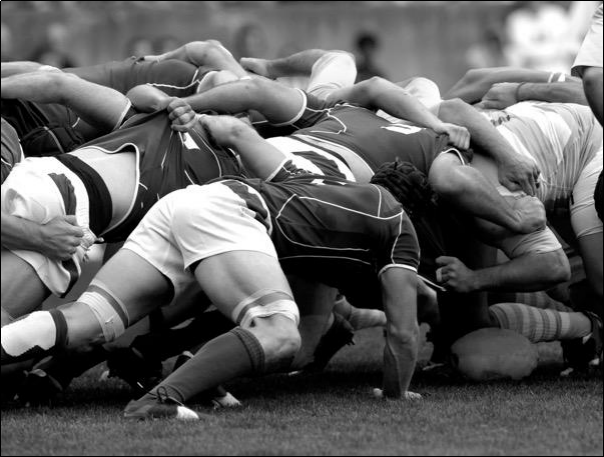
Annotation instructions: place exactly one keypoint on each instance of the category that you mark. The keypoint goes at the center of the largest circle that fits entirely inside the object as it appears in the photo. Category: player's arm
(477, 82)
(259, 157)
(515, 171)
(57, 240)
(278, 103)
(210, 53)
(378, 93)
(502, 95)
(536, 262)
(17, 68)
(98, 105)
(399, 296)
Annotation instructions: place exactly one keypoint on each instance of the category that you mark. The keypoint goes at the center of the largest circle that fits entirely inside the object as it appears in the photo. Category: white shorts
(590, 54)
(334, 70)
(192, 224)
(30, 193)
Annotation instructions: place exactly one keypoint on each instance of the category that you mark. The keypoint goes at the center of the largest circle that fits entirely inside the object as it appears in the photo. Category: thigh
(22, 289)
(590, 248)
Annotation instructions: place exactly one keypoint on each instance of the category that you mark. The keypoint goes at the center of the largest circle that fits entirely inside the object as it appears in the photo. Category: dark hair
(408, 185)
(598, 196)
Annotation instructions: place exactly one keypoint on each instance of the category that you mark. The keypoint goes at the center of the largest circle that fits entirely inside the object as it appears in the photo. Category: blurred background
(394, 39)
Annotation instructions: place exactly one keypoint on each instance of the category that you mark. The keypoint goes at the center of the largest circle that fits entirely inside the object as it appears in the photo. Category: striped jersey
(562, 139)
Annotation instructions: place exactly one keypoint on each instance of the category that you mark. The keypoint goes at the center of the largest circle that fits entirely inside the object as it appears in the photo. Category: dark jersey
(45, 129)
(11, 149)
(334, 231)
(167, 161)
(369, 136)
(174, 77)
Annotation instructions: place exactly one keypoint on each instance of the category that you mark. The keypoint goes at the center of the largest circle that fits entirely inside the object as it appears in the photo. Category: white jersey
(564, 139)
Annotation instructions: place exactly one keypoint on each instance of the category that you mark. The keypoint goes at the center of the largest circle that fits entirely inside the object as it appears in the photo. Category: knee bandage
(265, 303)
(109, 311)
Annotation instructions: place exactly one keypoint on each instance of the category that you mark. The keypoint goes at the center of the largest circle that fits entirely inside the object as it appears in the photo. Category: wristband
(517, 95)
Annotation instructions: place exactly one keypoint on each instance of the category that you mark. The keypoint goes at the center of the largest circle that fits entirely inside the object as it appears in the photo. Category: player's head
(598, 196)
(407, 184)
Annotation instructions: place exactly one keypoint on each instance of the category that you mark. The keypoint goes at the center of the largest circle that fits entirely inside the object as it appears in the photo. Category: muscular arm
(57, 240)
(527, 273)
(17, 68)
(278, 103)
(399, 292)
(260, 157)
(515, 172)
(502, 95)
(378, 93)
(477, 82)
(98, 105)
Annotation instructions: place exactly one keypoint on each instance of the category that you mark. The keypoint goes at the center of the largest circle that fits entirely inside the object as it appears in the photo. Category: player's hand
(500, 96)
(458, 136)
(223, 130)
(531, 213)
(454, 275)
(181, 114)
(60, 238)
(256, 66)
(379, 393)
(519, 173)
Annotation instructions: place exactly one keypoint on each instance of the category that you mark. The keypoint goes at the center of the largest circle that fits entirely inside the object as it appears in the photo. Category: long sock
(236, 353)
(540, 325)
(34, 336)
(65, 367)
(170, 342)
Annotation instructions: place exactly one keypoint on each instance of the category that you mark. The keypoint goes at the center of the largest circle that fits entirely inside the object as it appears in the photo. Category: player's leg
(252, 289)
(278, 103)
(22, 290)
(210, 53)
(100, 106)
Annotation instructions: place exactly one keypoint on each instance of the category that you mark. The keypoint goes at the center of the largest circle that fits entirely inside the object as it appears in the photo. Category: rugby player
(303, 220)
(108, 185)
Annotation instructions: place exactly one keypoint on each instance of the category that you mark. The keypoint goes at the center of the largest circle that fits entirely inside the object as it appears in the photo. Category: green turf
(331, 414)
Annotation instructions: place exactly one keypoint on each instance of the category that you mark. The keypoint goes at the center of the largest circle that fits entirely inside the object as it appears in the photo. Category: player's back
(562, 138)
(373, 138)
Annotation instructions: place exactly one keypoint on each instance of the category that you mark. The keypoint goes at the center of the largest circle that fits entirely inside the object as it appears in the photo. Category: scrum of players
(252, 225)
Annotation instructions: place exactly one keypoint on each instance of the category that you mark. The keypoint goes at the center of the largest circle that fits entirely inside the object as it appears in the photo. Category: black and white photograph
(323, 228)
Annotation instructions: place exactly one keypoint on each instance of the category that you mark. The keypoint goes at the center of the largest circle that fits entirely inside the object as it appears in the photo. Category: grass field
(331, 414)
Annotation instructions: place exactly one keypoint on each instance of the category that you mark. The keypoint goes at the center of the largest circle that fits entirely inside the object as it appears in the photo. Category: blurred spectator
(250, 41)
(139, 46)
(489, 51)
(537, 34)
(7, 43)
(366, 47)
(53, 51)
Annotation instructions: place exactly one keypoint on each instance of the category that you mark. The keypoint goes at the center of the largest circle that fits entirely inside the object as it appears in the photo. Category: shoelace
(163, 396)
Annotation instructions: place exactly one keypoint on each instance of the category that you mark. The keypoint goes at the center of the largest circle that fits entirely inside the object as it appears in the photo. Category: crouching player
(230, 236)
